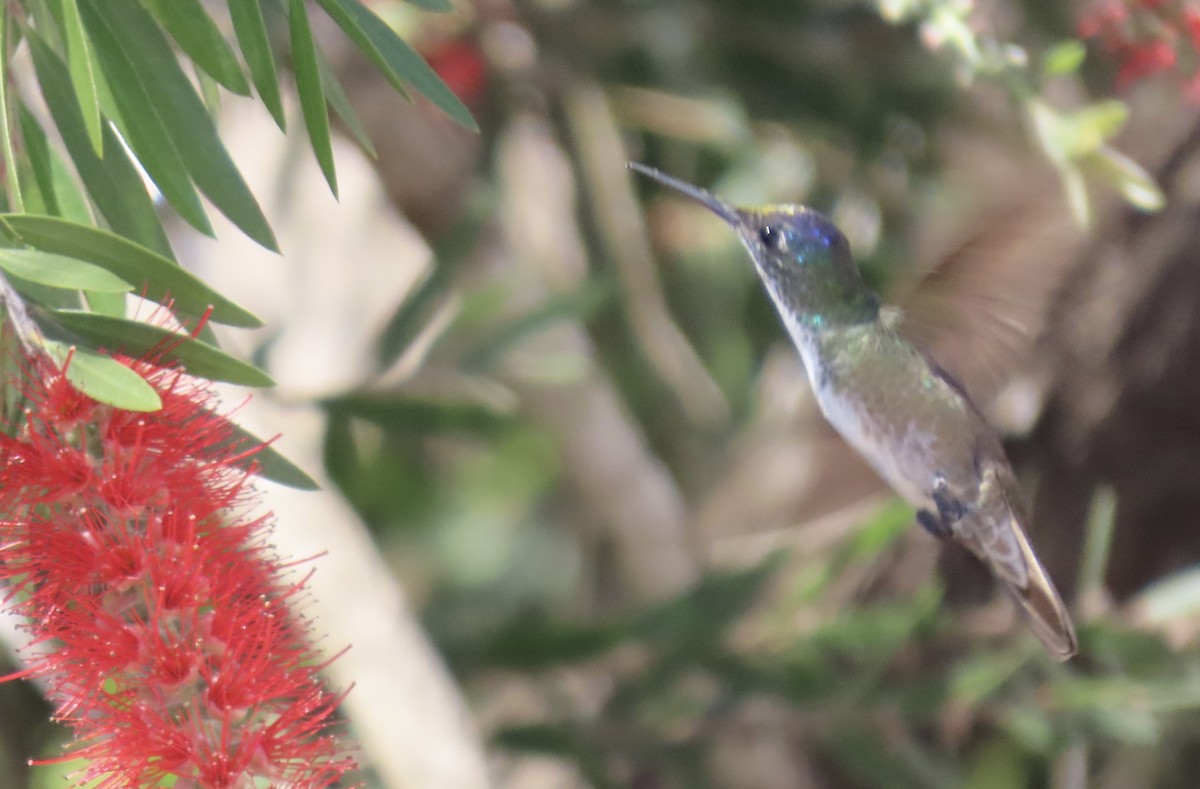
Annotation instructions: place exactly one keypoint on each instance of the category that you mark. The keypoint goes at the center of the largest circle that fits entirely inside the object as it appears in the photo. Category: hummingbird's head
(801, 257)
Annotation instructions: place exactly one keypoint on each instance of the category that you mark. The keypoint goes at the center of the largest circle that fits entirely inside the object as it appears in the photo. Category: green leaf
(160, 278)
(197, 35)
(59, 193)
(1089, 128)
(251, 32)
(396, 59)
(106, 303)
(1135, 184)
(58, 271)
(105, 379)
(182, 111)
(12, 171)
(83, 72)
(141, 122)
(113, 182)
(142, 339)
(312, 94)
(340, 104)
(271, 464)
(1065, 57)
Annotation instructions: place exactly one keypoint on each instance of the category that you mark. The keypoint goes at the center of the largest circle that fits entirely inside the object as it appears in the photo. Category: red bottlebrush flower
(461, 65)
(160, 615)
(1191, 23)
(1147, 37)
(1144, 60)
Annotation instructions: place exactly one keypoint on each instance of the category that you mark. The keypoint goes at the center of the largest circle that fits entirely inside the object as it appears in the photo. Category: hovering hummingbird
(903, 413)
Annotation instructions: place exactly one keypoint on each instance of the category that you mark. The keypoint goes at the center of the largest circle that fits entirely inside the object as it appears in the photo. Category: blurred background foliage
(647, 561)
(580, 438)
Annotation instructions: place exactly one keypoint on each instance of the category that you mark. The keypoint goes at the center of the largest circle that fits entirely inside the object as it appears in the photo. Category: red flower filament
(161, 622)
(1148, 37)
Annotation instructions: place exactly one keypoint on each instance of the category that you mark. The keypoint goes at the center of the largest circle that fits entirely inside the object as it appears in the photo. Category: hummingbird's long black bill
(704, 198)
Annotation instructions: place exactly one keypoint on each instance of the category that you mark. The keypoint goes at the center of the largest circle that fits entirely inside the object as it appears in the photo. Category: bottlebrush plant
(163, 625)
(160, 616)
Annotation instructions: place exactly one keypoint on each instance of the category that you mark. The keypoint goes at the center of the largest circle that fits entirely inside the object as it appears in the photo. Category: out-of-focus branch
(619, 216)
(623, 486)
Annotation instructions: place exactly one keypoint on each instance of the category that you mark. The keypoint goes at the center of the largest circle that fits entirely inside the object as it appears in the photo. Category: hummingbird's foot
(949, 511)
(949, 508)
(934, 524)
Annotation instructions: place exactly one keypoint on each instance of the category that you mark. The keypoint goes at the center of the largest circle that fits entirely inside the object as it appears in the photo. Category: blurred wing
(979, 311)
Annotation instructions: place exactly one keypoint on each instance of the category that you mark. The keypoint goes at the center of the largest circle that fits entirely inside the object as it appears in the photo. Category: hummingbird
(908, 417)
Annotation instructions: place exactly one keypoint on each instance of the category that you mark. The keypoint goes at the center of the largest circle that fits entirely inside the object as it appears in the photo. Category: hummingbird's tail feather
(1039, 599)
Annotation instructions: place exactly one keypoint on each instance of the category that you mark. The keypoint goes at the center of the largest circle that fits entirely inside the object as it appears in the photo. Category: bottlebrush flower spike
(161, 622)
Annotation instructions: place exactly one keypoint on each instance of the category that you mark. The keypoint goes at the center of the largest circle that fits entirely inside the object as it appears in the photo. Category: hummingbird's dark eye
(770, 237)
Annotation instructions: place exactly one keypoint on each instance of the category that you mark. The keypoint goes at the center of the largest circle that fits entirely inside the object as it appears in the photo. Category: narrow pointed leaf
(44, 296)
(312, 94)
(210, 94)
(142, 339)
(396, 59)
(59, 271)
(272, 464)
(113, 182)
(197, 35)
(37, 151)
(141, 121)
(105, 379)
(182, 111)
(340, 103)
(156, 276)
(251, 32)
(106, 303)
(83, 72)
(6, 126)
(59, 191)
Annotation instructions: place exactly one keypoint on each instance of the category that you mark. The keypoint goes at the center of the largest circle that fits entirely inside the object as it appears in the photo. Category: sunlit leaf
(1135, 184)
(58, 271)
(1065, 57)
(83, 72)
(147, 271)
(105, 379)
